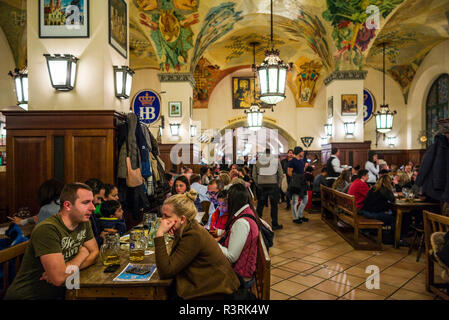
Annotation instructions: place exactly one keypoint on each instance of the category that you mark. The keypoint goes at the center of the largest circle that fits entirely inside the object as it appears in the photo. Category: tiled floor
(311, 262)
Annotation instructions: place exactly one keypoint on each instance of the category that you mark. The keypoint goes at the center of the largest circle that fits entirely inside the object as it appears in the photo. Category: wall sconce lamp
(192, 131)
(328, 130)
(62, 70)
(21, 84)
(349, 128)
(323, 141)
(174, 129)
(123, 79)
(392, 141)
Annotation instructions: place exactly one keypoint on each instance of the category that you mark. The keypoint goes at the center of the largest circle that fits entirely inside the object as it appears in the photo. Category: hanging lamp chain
(383, 68)
(271, 10)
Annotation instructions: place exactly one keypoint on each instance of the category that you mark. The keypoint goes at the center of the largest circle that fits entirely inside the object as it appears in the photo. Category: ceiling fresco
(211, 38)
(409, 35)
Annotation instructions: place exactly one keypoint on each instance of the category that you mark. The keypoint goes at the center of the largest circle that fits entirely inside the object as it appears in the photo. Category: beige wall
(395, 100)
(7, 89)
(435, 64)
(94, 88)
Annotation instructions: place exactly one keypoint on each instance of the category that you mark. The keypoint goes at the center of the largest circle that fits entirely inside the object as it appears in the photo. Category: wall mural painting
(142, 54)
(351, 35)
(404, 74)
(169, 23)
(243, 93)
(13, 17)
(207, 76)
(302, 81)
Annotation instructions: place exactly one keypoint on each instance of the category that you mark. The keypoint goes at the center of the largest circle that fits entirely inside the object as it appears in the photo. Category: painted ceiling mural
(13, 22)
(409, 35)
(210, 38)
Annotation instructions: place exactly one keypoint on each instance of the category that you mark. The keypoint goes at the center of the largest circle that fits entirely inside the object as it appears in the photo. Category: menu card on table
(136, 272)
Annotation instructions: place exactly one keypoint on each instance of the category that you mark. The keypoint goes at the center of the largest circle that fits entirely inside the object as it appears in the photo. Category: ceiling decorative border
(177, 77)
(346, 75)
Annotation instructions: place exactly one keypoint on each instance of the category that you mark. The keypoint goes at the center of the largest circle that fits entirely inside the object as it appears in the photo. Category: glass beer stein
(110, 250)
(137, 245)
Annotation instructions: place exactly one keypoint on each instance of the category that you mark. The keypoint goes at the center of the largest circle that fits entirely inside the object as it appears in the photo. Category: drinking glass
(137, 244)
(110, 250)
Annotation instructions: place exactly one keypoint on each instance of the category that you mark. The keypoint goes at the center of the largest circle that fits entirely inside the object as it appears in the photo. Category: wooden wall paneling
(3, 197)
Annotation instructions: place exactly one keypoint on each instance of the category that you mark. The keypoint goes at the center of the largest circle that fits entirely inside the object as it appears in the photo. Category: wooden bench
(434, 223)
(342, 208)
(15, 254)
(261, 287)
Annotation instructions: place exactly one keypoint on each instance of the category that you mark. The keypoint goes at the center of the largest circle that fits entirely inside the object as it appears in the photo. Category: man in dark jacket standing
(284, 164)
(267, 174)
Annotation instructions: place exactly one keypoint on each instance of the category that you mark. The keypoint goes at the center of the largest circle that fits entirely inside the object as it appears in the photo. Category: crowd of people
(213, 257)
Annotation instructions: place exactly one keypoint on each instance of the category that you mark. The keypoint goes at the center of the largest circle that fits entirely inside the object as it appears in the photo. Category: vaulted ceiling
(212, 38)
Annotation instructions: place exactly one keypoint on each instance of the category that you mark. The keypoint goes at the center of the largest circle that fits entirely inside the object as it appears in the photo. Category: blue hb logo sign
(147, 106)
(369, 105)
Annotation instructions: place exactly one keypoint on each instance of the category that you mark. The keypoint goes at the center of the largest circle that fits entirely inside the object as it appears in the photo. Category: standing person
(284, 164)
(333, 167)
(267, 174)
(298, 187)
(199, 268)
(57, 242)
(373, 167)
(359, 188)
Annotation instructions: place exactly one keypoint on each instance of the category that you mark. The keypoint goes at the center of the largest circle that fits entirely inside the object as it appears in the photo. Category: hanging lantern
(123, 78)
(384, 119)
(391, 141)
(254, 117)
(21, 84)
(349, 128)
(62, 70)
(192, 131)
(272, 73)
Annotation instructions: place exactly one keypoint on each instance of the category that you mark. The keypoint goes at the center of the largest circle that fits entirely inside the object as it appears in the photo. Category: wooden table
(94, 283)
(402, 206)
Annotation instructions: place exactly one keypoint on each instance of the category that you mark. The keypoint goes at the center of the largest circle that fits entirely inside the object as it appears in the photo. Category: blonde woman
(198, 266)
(343, 181)
(225, 177)
(377, 205)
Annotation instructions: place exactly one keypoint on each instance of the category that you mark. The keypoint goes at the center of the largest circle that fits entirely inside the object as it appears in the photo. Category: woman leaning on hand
(199, 268)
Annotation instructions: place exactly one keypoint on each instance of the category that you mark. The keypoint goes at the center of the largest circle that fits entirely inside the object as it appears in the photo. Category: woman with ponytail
(199, 268)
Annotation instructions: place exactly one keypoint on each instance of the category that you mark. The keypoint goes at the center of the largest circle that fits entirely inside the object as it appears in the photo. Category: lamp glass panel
(129, 81)
(119, 82)
(272, 80)
(263, 80)
(73, 74)
(389, 121)
(25, 89)
(58, 71)
(18, 89)
(259, 119)
(282, 77)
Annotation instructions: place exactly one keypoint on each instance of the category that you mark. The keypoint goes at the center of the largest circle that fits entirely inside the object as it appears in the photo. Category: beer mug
(110, 250)
(137, 245)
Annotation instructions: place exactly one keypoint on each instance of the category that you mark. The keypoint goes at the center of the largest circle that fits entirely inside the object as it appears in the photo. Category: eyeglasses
(212, 193)
(223, 204)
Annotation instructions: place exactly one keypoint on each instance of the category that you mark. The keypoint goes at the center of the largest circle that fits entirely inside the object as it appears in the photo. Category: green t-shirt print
(50, 236)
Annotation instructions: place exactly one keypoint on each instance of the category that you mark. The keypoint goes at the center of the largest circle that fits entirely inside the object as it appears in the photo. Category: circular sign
(147, 106)
(369, 105)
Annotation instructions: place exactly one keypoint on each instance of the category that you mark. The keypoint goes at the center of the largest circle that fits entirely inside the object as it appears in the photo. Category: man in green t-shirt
(63, 240)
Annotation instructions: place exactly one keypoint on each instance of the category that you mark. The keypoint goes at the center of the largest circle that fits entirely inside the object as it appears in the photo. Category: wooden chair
(205, 208)
(261, 287)
(434, 223)
(11, 254)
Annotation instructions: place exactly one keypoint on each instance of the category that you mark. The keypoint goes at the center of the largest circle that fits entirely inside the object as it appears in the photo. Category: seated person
(220, 216)
(195, 184)
(181, 185)
(355, 173)
(213, 188)
(359, 188)
(98, 190)
(196, 263)
(343, 182)
(239, 244)
(48, 195)
(57, 242)
(318, 181)
(377, 205)
(110, 192)
(112, 217)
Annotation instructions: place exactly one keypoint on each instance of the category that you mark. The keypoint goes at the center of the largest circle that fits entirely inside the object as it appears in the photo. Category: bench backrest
(263, 272)
(15, 254)
(433, 223)
(332, 199)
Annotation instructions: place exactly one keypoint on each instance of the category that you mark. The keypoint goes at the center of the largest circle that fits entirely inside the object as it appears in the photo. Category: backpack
(265, 230)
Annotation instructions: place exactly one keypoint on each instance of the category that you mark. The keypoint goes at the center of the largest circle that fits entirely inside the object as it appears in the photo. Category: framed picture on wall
(118, 32)
(243, 93)
(348, 104)
(330, 107)
(63, 19)
(174, 109)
